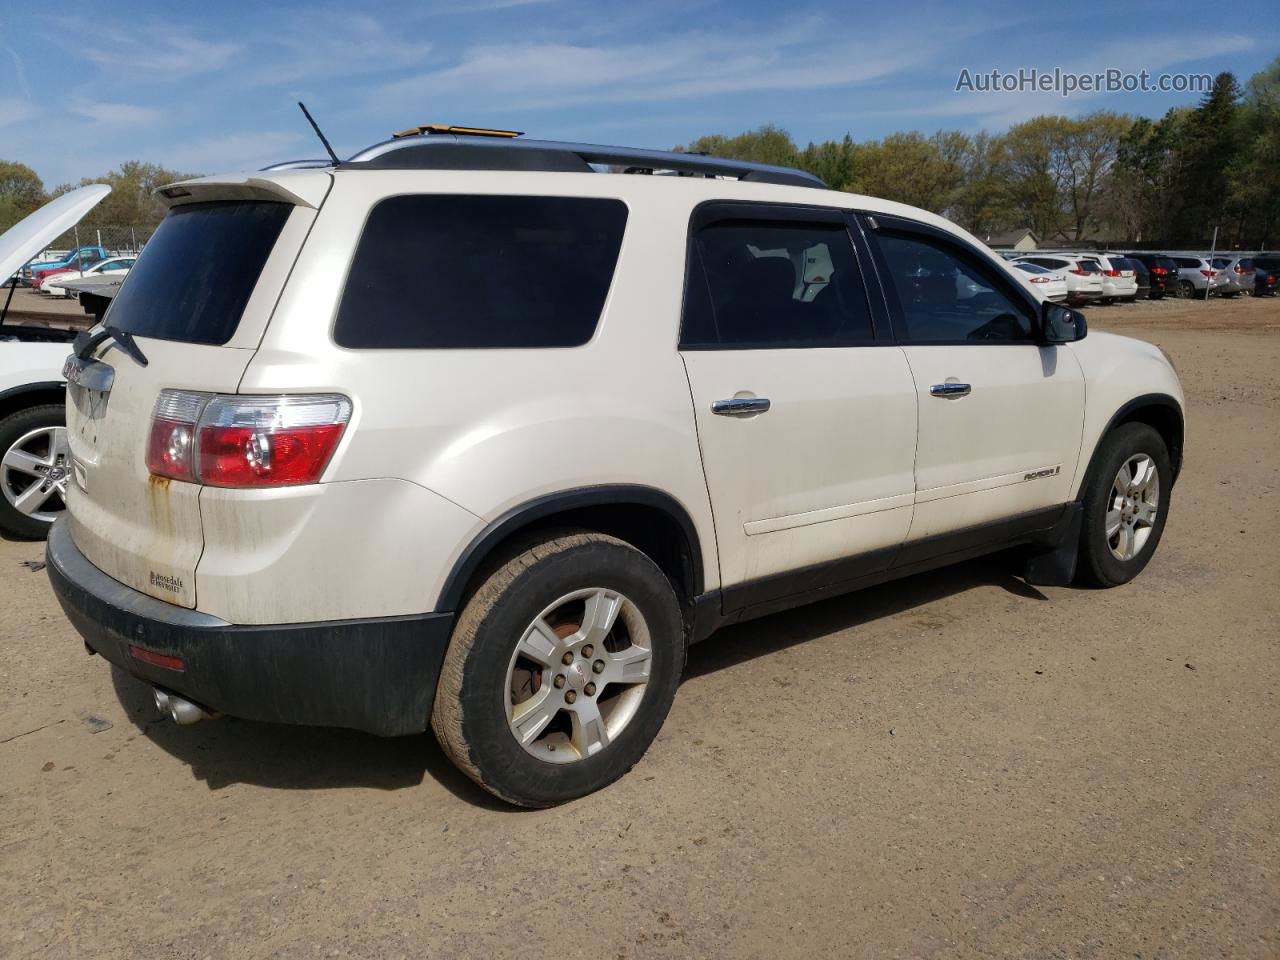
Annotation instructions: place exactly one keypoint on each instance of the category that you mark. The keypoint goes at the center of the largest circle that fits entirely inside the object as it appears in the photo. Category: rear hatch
(196, 304)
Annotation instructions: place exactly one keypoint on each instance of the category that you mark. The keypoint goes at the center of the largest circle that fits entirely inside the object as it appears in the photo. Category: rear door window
(757, 284)
(194, 277)
(480, 272)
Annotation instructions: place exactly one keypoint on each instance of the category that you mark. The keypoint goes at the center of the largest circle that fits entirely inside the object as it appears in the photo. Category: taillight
(1079, 273)
(1159, 271)
(1210, 273)
(171, 450)
(245, 441)
(1241, 270)
(1041, 279)
(1111, 273)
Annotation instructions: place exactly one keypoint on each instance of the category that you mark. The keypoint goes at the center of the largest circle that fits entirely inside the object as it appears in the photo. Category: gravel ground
(954, 765)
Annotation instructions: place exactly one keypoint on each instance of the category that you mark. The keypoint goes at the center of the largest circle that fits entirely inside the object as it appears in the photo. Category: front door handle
(740, 406)
(951, 389)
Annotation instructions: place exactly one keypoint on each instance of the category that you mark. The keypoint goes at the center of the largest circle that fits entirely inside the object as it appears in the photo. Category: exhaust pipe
(180, 711)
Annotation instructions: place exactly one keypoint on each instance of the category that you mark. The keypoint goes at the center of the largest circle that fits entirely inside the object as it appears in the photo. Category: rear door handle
(739, 406)
(951, 389)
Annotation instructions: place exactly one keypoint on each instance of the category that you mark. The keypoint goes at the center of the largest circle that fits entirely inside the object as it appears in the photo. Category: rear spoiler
(303, 188)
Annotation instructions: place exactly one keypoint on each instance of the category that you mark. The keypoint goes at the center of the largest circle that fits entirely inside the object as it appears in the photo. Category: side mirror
(1058, 324)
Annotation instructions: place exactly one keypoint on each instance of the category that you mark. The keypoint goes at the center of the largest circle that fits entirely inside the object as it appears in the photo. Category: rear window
(192, 280)
(1089, 266)
(477, 272)
(1221, 262)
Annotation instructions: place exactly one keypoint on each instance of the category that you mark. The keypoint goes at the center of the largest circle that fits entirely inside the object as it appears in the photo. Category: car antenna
(316, 127)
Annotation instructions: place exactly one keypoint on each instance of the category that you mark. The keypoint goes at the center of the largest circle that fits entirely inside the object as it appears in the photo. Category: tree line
(1105, 177)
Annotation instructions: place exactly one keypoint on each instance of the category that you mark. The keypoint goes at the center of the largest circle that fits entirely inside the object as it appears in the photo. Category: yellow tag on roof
(445, 128)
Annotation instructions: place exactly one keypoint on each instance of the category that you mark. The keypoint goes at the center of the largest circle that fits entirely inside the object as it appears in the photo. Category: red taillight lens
(1270, 278)
(1041, 279)
(171, 450)
(1210, 273)
(1241, 270)
(1111, 273)
(1079, 273)
(1159, 271)
(243, 441)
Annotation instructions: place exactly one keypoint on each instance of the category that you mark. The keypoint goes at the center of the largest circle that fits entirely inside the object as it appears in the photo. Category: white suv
(607, 415)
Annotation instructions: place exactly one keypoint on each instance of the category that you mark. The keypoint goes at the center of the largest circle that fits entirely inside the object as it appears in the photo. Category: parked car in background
(293, 498)
(1083, 276)
(34, 460)
(111, 267)
(1162, 273)
(1048, 284)
(1237, 273)
(75, 260)
(1142, 277)
(1195, 275)
(1266, 275)
(1118, 280)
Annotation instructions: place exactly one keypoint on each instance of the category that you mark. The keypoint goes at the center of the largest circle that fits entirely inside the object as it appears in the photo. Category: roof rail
(297, 165)
(443, 151)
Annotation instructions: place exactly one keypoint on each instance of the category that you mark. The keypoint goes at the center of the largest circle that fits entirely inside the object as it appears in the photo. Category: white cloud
(800, 56)
(237, 151)
(120, 115)
(158, 51)
(15, 111)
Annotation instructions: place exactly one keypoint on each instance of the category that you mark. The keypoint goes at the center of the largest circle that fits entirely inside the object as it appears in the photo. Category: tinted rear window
(192, 280)
(469, 272)
(1089, 266)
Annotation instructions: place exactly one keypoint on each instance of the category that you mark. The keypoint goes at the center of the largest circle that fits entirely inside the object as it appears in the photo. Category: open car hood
(33, 233)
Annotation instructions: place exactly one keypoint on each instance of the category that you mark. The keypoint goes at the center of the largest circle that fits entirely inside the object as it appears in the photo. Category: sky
(211, 87)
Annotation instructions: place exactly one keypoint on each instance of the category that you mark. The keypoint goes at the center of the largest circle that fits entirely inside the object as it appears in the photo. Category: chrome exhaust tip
(180, 711)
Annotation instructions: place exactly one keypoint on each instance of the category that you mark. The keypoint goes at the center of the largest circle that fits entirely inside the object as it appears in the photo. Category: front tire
(561, 670)
(1125, 506)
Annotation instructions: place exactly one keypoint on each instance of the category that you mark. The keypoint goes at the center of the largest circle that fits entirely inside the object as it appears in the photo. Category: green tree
(21, 192)
(1254, 176)
(766, 144)
(1210, 144)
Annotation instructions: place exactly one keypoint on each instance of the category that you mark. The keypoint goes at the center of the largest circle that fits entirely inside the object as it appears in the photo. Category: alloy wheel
(33, 473)
(577, 675)
(1134, 506)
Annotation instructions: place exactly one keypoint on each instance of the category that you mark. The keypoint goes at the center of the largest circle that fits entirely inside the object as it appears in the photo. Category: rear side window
(758, 284)
(195, 275)
(480, 272)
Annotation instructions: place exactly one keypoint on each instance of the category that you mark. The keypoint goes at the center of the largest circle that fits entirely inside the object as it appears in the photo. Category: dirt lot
(954, 765)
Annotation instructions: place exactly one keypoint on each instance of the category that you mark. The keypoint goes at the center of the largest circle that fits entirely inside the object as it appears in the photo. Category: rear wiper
(85, 344)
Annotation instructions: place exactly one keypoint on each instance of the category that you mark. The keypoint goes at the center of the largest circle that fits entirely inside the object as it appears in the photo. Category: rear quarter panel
(484, 431)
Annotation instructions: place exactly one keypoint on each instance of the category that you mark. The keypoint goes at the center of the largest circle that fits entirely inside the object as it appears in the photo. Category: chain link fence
(117, 240)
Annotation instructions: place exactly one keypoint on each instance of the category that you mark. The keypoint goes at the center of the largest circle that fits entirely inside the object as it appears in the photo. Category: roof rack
(446, 150)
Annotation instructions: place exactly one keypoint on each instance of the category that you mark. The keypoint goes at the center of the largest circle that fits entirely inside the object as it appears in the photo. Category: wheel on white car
(34, 465)
(561, 669)
(1125, 506)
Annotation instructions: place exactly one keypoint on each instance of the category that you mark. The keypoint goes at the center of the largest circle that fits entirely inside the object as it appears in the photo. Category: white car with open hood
(610, 414)
(34, 461)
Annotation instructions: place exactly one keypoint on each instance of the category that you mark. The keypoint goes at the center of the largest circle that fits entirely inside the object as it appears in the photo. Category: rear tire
(1125, 506)
(1186, 289)
(22, 434)
(561, 670)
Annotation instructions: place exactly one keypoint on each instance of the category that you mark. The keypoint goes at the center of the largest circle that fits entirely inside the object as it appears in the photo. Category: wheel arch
(649, 519)
(1161, 412)
(31, 395)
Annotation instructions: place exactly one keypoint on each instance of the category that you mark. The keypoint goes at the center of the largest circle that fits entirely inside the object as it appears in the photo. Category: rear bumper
(377, 675)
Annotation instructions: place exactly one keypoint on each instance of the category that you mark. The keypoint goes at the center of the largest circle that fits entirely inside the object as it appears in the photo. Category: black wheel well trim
(1124, 415)
(563, 502)
(44, 388)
